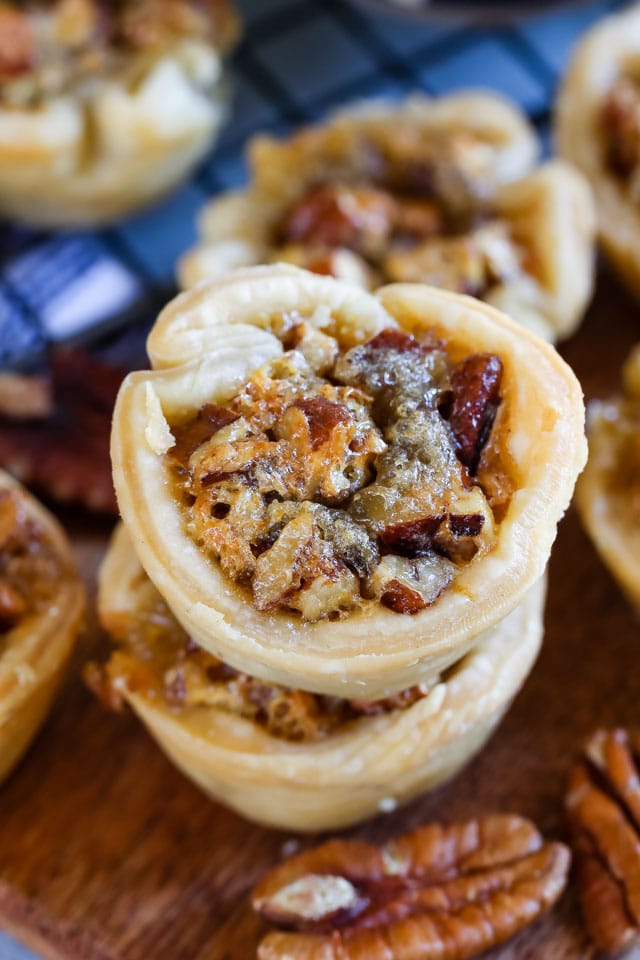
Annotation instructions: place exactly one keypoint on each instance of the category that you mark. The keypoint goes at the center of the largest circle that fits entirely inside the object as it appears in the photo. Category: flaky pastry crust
(204, 346)
(34, 652)
(368, 766)
(548, 212)
(606, 51)
(607, 493)
(92, 153)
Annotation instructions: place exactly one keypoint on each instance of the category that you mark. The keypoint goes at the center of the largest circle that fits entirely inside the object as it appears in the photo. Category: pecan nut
(603, 807)
(445, 892)
(56, 438)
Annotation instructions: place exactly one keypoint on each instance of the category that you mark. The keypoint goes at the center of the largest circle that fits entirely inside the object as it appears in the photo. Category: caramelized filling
(29, 566)
(620, 125)
(336, 479)
(158, 659)
(412, 209)
(48, 48)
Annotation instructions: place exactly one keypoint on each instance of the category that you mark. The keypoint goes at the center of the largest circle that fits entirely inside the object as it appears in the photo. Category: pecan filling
(49, 48)
(620, 125)
(413, 211)
(29, 567)
(157, 658)
(333, 479)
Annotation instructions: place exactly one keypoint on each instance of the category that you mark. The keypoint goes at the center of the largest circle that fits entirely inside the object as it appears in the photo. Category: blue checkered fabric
(298, 59)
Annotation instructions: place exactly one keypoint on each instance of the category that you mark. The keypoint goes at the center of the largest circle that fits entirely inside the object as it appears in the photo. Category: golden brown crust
(540, 243)
(34, 652)
(353, 773)
(373, 653)
(607, 49)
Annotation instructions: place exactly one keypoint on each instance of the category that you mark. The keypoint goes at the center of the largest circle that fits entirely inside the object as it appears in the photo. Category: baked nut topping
(321, 492)
(441, 891)
(603, 808)
(620, 120)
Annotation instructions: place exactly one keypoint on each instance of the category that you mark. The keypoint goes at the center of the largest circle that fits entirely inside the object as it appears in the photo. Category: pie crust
(548, 212)
(370, 765)
(606, 493)
(91, 154)
(34, 652)
(204, 346)
(597, 64)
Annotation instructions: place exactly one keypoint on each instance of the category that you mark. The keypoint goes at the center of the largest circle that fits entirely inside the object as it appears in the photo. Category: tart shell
(372, 653)
(33, 655)
(371, 765)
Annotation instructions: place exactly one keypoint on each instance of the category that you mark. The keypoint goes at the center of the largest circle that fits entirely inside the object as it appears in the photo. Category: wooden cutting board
(107, 853)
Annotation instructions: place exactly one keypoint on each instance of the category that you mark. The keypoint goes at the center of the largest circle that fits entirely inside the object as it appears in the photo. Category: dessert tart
(336, 491)
(432, 191)
(287, 758)
(608, 492)
(105, 105)
(41, 607)
(598, 129)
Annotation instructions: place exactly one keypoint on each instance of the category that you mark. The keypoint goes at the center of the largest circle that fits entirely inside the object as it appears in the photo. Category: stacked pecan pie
(105, 105)
(439, 191)
(337, 511)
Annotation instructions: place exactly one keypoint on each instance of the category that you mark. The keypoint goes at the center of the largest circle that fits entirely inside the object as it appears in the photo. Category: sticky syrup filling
(335, 479)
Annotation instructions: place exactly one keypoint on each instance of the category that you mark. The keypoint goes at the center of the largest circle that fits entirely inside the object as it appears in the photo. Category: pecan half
(603, 807)
(65, 451)
(340, 216)
(475, 383)
(192, 434)
(17, 44)
(445, 892)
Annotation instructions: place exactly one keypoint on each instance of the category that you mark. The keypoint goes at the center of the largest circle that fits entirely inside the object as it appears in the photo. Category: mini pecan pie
(608, 492)
(41, 605)
(430, 191)
(290, 758)
(339, 491)
(104, 105)
(598, 129)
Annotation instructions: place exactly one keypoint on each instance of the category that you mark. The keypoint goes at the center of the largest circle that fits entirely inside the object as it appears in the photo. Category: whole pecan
(603, 807)
(475, 384)
(445, 892)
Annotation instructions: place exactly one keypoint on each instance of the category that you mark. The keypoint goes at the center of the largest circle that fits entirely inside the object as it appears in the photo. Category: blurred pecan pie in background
(439, 191)
(41, 607)
(608, 492)
(106, 105)
(598, 129)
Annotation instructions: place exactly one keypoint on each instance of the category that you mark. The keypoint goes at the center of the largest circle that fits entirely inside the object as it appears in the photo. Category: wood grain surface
(107, 853)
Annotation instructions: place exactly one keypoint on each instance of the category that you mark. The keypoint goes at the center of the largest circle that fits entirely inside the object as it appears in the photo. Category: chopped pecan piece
(192, 434)
(17, 45)
(340, 216)
(603, 807)
(65, 454)
(399, 701)
(413, 538)
(438, 893)
(323, 416)
(475, 383)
